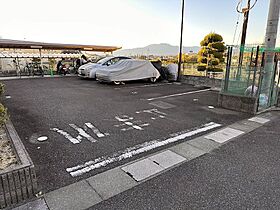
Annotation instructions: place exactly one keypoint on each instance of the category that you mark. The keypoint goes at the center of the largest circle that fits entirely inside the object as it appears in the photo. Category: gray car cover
(125, 70)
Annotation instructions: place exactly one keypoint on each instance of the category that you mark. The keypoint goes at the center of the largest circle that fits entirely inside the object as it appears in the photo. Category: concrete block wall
(238, 103)
(202, 81)
(17, 186)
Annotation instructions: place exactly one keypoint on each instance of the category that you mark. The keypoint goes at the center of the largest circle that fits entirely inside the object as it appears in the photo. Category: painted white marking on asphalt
(8, 97)
(260, 120)
(124, 118)
(132, 151)
(95, 130)
(178, 94)
(83, 133)
(67, 135)
(131, 125)
(155, 112)
(42, 138)
(144, 125)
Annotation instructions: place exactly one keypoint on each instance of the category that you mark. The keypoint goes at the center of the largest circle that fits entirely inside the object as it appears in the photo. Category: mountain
(162, 49)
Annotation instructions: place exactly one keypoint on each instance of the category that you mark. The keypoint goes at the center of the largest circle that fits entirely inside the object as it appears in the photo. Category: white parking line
(132, 151)
(178, 94)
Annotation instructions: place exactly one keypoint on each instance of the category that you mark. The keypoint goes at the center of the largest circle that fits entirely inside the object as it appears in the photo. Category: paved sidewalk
(237, 168)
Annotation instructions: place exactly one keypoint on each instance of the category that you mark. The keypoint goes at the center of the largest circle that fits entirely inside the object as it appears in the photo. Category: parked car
(89, 70)
(128, 70)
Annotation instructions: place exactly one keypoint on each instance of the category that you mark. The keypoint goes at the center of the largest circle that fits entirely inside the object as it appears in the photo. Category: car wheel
(117, 82)
(153, 79)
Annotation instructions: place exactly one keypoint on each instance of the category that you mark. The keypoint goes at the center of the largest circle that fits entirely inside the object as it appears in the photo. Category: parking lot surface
(87, 122)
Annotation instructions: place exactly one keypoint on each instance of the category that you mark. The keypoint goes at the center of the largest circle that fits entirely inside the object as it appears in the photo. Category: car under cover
(127, 70)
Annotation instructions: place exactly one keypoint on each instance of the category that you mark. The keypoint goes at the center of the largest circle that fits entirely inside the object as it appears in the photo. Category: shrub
(2, 88)
(201, 67)
(214, 61)
(202, 59)
(214, 69)
(3, 115)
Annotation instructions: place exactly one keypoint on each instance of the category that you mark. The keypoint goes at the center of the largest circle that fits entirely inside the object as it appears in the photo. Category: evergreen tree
(211, 53)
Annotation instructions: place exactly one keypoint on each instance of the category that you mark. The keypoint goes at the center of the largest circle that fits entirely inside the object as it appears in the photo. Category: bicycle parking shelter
(9, 49)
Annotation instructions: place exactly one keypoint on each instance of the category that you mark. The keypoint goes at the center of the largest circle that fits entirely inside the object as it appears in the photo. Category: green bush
(217, 45)
(212, 37)
(202, 59)
(201, 67)
(3, 115)
(2, 88)
(214, 69)
(214, 61)
(218, 55)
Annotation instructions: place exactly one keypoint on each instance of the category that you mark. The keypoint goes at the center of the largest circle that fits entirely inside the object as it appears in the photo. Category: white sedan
(89, 70)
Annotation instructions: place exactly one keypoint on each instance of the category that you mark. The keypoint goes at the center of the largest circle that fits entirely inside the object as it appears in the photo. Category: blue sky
(127, 23)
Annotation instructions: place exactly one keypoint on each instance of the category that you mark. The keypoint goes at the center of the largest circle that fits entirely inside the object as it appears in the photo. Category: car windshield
(103, 60)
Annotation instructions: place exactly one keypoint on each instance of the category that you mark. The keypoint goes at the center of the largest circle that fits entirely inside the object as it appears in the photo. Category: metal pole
(41, 64)
(243, 38)
(255, 70)
(181, 42)
(229, 56)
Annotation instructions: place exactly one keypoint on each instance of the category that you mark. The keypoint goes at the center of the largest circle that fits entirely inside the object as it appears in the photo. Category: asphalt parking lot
(86, 122)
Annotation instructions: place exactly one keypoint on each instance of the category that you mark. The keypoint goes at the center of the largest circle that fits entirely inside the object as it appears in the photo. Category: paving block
(167, 159)
(111, 183)
(142, 169)
(224, 135)
(204, 144)
(188, 151)
(260, 120)
(79, 195)
(39, 204)
(245, 125)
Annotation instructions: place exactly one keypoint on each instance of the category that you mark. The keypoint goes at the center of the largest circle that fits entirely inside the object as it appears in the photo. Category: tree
(211, 53)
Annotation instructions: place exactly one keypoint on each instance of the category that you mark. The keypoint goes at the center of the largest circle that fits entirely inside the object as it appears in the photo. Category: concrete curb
(18, 182)
(34, 77)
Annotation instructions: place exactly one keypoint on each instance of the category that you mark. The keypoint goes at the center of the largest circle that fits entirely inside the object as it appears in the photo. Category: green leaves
(211, 53)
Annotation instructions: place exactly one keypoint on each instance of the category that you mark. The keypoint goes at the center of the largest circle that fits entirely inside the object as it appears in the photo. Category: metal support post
(181, 42)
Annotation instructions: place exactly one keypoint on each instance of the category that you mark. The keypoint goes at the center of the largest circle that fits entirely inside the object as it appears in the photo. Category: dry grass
(7, 156)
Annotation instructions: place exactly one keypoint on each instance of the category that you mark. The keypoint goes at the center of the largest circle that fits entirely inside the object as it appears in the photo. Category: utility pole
(181, 42)
(245, 11)
(272, 24)
(267, 86)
